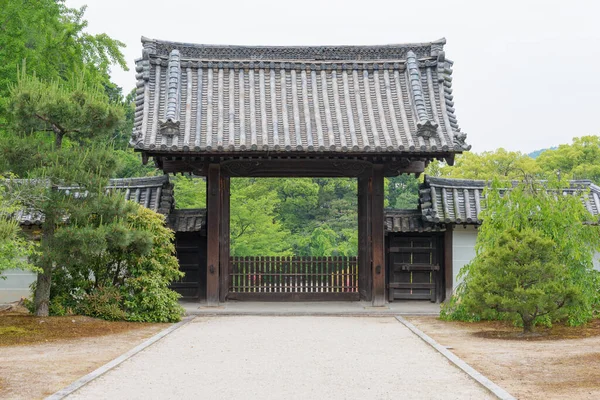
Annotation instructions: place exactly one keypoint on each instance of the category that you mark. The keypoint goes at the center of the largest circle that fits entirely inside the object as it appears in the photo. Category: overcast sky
(526, 72)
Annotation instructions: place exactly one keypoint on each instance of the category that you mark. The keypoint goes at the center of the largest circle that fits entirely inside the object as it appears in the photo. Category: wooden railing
(293, 278)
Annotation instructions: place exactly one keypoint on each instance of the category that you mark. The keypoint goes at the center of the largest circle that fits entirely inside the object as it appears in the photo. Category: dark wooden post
(213, 228)
(224, 241)
(378, 236)
(364, 237)
(448, 268)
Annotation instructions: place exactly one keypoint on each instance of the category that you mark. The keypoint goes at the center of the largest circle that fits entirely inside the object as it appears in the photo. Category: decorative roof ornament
(170, 125)
(459, 141)
(425, 127)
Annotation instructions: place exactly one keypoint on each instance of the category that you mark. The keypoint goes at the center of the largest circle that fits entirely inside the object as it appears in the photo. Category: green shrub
(533, 264)
(102, 302)
(116, 261)
(522, 277)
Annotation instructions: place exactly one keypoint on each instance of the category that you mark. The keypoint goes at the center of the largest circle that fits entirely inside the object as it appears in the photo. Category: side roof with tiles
(460, 201)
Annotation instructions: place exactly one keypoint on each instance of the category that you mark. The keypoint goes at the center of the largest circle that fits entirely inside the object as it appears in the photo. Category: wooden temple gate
(369, 266)
(363, 112)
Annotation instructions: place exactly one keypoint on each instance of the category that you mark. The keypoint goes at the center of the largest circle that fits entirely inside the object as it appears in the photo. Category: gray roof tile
(188, 220)
(460, 201)
(409, 221)
(219, 99)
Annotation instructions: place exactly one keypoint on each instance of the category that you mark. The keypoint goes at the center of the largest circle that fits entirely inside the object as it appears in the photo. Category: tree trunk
(41, 298)
(527, 325)
(58, 140)
(42, 290)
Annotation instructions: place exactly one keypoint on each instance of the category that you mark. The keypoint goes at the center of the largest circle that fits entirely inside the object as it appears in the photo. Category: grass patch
(18, 328)
(14, 331)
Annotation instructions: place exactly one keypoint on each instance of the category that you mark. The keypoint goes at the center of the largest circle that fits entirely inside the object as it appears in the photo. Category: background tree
(51, 37)
(402, 192)
(254, 228)
(501, 164)
(63, 118)
(579, 160)
(190, 192)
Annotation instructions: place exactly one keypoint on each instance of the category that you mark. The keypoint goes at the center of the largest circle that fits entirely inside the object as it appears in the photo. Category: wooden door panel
(414, 267)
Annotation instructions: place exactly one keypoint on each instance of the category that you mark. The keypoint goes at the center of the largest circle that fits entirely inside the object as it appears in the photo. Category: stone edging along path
(458, 362)
(64, 392)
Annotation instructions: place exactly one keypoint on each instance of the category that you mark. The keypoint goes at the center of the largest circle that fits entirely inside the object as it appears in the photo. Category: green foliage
(73, 112)
(15, 249)
(538, 219)
(59, 122)
(402, 192)
(453, 309)
(116, 261)
(294, 216)
(254, 229)
(579, 160)
(52, 39)
(521, 275)
(323, 242)
(190, 192)
(536, 153)
(500, 164)
(73, 109)
(101, 302)
(129, 165)
(147, 294)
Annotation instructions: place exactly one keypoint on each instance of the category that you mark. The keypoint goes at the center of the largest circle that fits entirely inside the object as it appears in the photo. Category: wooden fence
(293, 278)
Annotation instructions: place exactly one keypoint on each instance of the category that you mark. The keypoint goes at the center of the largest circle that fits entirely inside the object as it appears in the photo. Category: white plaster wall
(463, 250)
(15, 285)
(597, 261)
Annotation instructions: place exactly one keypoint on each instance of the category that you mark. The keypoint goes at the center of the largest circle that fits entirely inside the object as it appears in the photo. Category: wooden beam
(364, 238)
(199, 168)
(224, 241)
(404, 166)
(213, 212)
(378, 236)
(311, 168)
(448, 267)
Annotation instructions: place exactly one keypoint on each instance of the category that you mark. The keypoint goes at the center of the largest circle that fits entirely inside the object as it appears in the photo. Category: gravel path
(286, 357)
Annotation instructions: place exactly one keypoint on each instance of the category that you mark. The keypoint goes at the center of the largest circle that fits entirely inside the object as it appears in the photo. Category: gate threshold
(328, 308)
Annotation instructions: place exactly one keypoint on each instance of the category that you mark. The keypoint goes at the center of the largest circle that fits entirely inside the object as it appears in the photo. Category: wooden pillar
(213, 228)
(448, 267)
(378, 236)
(224, 241)
(364, 237)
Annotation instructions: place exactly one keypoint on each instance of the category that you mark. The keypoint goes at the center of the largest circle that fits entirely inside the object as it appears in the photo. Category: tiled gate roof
(356, 99)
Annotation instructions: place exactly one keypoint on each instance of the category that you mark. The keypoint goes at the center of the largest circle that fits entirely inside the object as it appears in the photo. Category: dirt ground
(548, 367)
(39, 356)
